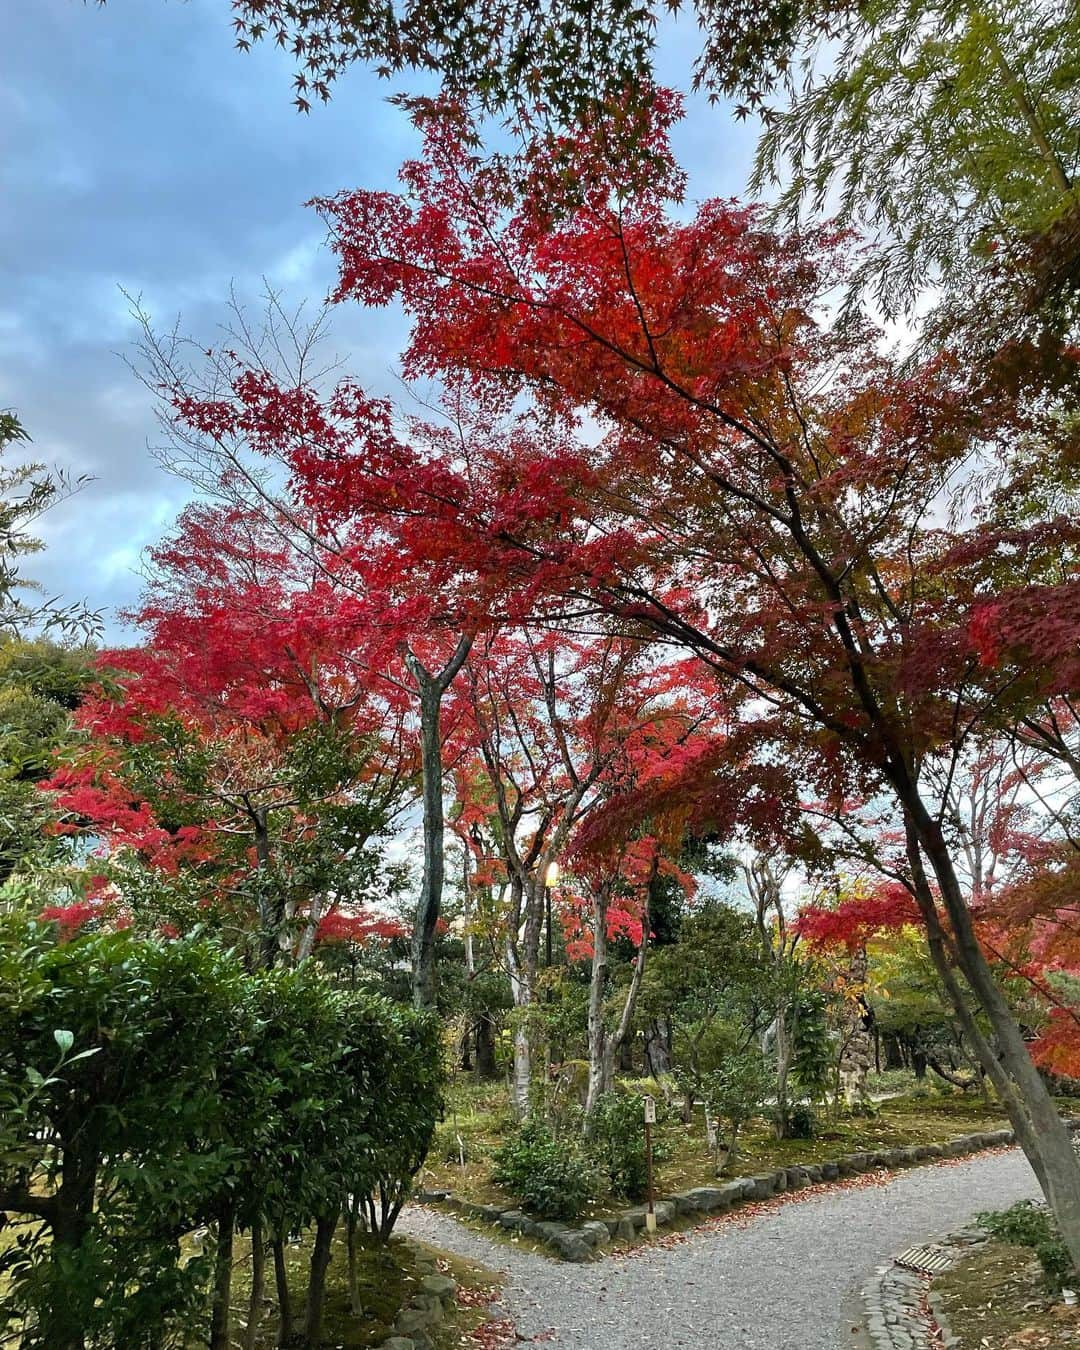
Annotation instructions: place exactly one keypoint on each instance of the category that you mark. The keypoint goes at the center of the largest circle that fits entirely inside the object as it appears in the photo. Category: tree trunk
(223, 1262)
(431, 689)
(70, 1221)
(597, 1037)
(521, 1073)
(785, 1053)
(258, 1284)
(430, 904)
(1032, 1114)
(855, 1058)
(604, 1045)
(352, 1236)
(284, 1294)
(320, 1263)
(658, 1047)
(485, 1047)
(523, 968)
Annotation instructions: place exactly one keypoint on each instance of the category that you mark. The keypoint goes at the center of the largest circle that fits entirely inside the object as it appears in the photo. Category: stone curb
(901, 1310)
(426, 1308)
(587, 1241)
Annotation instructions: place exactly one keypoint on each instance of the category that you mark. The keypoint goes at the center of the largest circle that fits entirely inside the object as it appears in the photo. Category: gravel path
(787, 1280)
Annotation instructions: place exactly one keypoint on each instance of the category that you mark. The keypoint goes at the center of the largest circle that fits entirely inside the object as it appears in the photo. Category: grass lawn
(479, 1115)
(994, 1300)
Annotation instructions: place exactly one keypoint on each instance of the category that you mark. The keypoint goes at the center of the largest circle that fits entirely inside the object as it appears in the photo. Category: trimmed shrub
(617, 1144)
(551, 1177)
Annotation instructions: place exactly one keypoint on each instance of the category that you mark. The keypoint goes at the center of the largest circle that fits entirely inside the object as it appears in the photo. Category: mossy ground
(995, 1300)
(387, 1279)
(479, 1115)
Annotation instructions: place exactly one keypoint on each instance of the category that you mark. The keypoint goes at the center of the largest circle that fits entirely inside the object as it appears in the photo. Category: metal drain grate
(927, 1260)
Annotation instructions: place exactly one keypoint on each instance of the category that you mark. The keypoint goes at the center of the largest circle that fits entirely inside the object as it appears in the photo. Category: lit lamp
(551, 880)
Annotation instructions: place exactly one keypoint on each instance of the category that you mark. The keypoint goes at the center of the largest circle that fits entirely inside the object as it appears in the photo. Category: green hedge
(149, 1089)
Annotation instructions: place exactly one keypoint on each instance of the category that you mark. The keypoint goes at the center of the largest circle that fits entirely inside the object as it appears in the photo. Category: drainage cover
(928, 1260)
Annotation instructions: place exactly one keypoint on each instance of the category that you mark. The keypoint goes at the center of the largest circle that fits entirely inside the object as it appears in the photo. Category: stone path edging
(901, 1310)
(425, 1309)
(586, 1241)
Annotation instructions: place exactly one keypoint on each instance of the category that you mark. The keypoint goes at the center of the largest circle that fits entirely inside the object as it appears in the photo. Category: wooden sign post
(650, 1121)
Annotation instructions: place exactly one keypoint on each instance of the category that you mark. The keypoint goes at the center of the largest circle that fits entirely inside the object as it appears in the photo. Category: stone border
(902, 1312)
(586, 1241)
(425, 1309)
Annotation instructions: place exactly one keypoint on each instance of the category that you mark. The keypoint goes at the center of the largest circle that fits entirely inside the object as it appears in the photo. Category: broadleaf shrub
(1027, 1224)
(149, 1088)
(552, 1177)
(617, 1143)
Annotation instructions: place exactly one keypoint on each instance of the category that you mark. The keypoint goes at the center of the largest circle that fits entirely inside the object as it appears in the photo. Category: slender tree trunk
(784, 1055)
(320, 1263)
(427, 911)
(485, 1047)
(284, 1294)
(306, 945)
(1006, 1089)
(523, 968)
(258, 1284)
(223, 1263)
(431, 689)
(597, 1038)
(604, 1045)
(70, 1222)
(352, 1237)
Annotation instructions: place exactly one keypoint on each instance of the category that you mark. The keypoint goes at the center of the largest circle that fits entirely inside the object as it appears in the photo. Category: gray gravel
(788, 1280)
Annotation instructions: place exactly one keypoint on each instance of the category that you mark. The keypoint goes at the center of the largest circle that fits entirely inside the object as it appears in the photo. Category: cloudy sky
(142, 153)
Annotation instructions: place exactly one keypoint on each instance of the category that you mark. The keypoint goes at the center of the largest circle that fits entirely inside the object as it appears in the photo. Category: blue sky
(142, 153)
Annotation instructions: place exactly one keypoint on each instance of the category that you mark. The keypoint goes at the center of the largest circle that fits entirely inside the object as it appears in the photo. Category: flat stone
(764, 1186)
(571, 1246)
(442, 1286)
(412, 1320)
(549, 1229)
(596, 1233)
(706, 1198)
(635, 1216)
(490, 1213)
(814, 1173)
(434, 1197)
(514, 1220)
(930, 1151)
(684, 1202)
(956, 1148)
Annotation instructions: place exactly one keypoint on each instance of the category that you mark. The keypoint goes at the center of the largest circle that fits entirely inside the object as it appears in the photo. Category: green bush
(550, 1176)
(149, 1088)
(1027, 1224)
(617, 1143)
(802, 1122)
